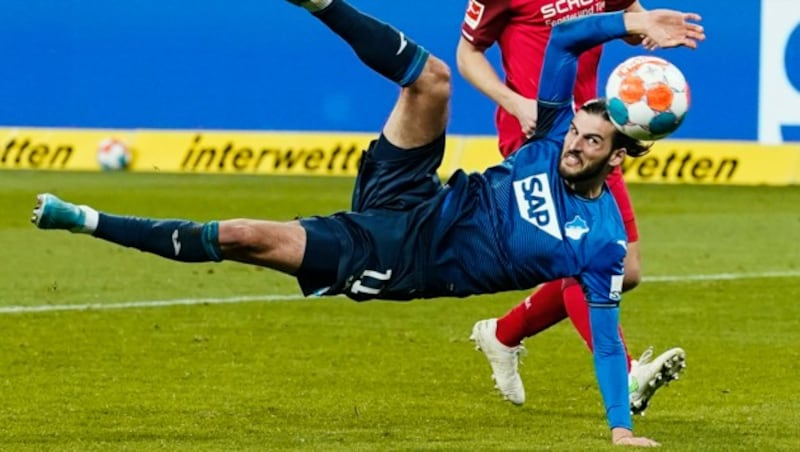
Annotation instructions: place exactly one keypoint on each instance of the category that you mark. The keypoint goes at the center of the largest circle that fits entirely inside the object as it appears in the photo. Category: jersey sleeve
(602, 282)
(484, 21)
(567, 42)
(618, 5)
(610, 364)
(560, 67)
(602, 285)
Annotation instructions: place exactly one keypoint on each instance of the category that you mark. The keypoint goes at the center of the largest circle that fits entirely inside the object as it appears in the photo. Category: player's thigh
(391, 178)
(421, 112)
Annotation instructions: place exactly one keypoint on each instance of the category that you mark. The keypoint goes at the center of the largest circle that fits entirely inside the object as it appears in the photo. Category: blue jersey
(518, 225)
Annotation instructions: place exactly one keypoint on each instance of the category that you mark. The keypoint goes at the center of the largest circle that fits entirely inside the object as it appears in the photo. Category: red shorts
(510, 138)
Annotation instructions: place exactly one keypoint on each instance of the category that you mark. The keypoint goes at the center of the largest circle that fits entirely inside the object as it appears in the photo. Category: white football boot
(503, 359)
(647, 375)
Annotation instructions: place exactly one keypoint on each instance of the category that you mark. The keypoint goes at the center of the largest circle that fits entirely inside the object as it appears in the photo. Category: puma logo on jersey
(474, 14)
(535, 203)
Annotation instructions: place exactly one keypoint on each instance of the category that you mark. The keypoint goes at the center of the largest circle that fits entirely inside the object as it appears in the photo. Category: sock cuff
(415, 68)
(90, 219)
(209, 238)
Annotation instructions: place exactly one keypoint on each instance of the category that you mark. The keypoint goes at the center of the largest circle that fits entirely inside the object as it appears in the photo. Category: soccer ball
(113, 155)
(647, 97)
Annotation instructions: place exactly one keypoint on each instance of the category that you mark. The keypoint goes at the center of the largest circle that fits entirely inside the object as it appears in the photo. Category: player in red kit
(521, 29)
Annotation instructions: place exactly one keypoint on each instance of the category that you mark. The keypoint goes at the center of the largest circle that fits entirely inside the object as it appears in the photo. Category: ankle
(90, 219)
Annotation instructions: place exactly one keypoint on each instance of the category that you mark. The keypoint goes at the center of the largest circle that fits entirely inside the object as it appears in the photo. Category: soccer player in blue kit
(543, 214)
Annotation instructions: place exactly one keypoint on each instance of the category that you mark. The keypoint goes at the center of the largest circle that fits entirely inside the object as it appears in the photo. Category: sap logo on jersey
(779, 98)
(535, 203)
(474, 14)
(557, 7)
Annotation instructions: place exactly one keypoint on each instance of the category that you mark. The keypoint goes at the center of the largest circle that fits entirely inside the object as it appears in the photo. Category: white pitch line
(724, 276)
(270, 298)
(146, 304)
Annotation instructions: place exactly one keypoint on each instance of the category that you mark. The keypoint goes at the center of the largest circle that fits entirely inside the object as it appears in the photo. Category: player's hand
(634, 40)
(667, 28)
(649, 44)
(645, 42)
(624, 437)
(524, 110)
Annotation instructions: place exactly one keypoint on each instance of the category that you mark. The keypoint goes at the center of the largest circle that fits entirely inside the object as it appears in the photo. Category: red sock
(578, 311)
(539, 311)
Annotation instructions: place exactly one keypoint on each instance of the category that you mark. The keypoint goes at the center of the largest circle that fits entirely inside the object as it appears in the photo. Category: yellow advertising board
(717, 162)
(337, 154)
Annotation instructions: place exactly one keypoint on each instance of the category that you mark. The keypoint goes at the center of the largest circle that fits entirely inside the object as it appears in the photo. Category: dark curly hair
(633, 147)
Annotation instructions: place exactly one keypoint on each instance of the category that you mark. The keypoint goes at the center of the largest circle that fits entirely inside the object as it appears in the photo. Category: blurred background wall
(265, 65)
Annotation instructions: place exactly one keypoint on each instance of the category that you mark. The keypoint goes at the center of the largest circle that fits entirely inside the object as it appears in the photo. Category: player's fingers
(686, 42)
(694, 17)
(697, 35)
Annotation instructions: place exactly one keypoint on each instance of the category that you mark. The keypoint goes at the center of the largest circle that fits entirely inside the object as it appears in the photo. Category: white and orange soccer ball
(648, 97)
(113, 155)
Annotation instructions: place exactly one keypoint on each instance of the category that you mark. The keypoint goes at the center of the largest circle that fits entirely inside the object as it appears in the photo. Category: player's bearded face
(587, 148)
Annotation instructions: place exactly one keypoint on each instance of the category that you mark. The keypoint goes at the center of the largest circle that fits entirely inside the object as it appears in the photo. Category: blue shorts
(377, 250)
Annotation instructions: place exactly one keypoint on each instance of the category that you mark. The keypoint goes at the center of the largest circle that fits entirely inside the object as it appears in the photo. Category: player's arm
(631, 7)
(610, 367)
(569, 39)
(479, 72)
(603, 286)
(483, 24)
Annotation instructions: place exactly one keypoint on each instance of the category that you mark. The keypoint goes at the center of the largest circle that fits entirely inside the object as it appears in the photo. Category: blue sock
(180, 240)
(380, 46)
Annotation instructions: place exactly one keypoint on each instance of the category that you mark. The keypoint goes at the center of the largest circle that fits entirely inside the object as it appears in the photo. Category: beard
(587, 173)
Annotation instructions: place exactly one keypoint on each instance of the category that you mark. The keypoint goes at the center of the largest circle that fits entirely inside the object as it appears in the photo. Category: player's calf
(380, 46)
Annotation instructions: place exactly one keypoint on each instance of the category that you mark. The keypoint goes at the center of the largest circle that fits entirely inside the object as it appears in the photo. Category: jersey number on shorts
(371, 282)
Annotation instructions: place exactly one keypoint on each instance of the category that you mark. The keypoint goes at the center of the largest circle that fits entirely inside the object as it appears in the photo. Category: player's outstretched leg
(180, 240)
(648, 374)
(380, 46)
(504, 360)
(276, 245)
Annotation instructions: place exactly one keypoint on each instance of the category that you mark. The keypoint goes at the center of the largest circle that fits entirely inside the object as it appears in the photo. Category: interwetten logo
(231, 156)
(26, 152)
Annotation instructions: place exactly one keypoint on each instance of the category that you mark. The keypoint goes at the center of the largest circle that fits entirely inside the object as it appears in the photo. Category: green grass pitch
(330, 374)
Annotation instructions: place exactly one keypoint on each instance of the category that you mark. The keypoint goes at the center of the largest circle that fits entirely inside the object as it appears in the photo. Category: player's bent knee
(236, 234)
(434, 81)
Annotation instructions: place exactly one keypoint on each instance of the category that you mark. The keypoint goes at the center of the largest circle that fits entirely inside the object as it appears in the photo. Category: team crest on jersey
(535, 203)
(576, 228)
(474, 14)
